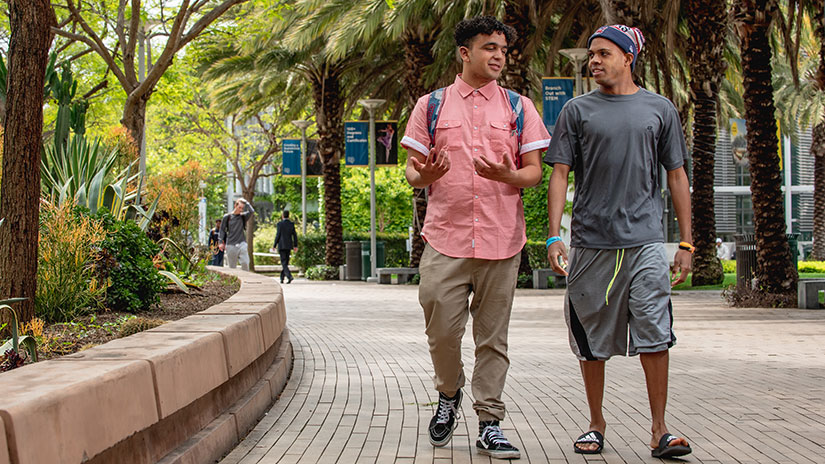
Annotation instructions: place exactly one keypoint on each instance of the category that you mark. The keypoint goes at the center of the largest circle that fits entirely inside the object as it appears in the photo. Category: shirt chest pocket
(502, 138)
(448, 135)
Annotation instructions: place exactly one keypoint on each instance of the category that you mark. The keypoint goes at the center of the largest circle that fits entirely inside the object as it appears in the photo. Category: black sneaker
(491, 442)
(445, 419)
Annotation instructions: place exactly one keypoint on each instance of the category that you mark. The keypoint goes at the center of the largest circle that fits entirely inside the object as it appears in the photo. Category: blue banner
(356, 142)
(555, 93)
(291, 150)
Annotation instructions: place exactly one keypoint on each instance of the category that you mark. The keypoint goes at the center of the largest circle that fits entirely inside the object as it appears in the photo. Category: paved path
(747, 385)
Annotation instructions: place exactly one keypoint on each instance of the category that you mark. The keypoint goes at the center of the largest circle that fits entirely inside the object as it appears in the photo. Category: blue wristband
(553, 240)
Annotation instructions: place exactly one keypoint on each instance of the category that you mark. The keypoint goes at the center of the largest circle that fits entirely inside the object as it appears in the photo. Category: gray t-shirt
(614, 145)
(233, 227)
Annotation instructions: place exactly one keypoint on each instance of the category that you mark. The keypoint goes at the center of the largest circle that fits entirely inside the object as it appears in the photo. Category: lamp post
(303, 125)
(371, 105)
(578, 56)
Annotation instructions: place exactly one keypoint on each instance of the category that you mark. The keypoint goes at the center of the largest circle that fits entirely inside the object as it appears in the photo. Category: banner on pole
(356, 143)
(291, 151)
(556, 91)
(739, 142)
(358, 148)
(386, 143)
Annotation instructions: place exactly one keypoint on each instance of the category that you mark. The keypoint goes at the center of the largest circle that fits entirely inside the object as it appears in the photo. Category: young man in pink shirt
(474, 165)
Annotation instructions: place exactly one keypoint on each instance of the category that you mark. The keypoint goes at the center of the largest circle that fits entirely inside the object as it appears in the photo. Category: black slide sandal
(593, 436)
(665, 451)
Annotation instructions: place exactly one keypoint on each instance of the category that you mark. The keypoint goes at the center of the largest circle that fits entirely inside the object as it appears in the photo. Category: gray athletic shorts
(609, 291)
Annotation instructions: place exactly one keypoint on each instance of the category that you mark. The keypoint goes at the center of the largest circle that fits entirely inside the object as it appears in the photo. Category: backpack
(434, 106)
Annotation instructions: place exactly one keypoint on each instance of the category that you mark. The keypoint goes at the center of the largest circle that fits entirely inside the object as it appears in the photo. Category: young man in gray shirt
(233, 234)
(614, 140)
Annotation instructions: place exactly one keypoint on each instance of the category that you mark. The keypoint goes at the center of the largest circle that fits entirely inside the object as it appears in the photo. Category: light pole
(371, 106)
(578, 56)
(303, 125)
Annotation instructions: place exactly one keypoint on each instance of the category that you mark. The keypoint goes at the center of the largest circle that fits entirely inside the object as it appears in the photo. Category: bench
(808, 293)
(276, 256)
(403, 273)
(540, 278)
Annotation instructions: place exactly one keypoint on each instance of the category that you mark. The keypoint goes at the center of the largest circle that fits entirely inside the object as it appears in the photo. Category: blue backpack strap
(518, 109)
(433, 107)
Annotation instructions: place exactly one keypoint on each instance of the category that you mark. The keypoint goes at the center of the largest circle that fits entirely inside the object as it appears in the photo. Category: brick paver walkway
(747, 385)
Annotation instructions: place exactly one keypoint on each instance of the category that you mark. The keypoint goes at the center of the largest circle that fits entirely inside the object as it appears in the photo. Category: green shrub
(68, 248)
(322, 272)
(135, 282)
(728, 266)
(138, 324)
(312, 248)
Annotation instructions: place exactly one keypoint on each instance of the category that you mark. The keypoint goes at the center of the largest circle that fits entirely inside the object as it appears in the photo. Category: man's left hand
(502, 172)
(681, 266)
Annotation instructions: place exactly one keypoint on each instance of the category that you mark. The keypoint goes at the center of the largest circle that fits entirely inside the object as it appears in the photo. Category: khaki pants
(445, 287)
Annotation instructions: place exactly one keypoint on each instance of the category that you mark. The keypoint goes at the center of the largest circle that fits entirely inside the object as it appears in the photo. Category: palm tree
(707, 25)
(775, 273)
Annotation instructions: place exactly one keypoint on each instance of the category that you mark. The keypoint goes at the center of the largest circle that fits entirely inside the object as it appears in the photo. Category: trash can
(353, 260)
(793, 243)
(366, 266)
(745, 259)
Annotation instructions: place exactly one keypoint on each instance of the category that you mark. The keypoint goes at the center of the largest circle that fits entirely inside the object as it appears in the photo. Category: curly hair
(487, 25)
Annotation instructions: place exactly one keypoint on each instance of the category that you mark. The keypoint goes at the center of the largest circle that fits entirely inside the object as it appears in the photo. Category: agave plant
(83, 174)
(28, 342)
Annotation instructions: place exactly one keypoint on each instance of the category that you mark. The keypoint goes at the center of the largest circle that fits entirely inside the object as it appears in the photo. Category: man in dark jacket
(286, 240)
(214, 245)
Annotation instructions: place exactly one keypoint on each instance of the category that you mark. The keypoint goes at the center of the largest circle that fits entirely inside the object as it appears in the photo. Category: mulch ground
(94, 329)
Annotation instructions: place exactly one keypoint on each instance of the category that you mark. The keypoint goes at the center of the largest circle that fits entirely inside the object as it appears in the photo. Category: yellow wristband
(687, 247)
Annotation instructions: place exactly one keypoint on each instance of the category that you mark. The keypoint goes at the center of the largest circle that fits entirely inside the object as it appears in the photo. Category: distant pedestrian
(286, 241)
(233, 234)
(214, 244)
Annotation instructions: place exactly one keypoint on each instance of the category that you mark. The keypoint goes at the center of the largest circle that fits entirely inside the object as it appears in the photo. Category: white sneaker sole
(500, 454)
(439, 444)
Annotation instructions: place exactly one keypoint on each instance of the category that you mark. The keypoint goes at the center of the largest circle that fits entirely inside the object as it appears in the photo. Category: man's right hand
(222, 246)
(434, 166)
(555, 251)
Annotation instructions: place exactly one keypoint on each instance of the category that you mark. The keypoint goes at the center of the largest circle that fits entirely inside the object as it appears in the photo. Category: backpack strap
(518, 109)
(433, 108)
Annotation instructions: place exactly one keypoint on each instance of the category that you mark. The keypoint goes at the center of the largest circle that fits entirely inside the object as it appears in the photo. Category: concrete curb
(184, 392)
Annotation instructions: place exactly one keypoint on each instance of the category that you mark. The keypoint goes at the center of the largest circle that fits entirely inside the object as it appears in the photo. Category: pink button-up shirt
(469, 216)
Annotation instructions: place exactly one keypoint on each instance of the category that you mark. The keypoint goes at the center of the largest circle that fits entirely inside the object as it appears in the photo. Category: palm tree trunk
(818, 151)
(517, 72)
(329, 111)
(775, 273)
(31, 37)
(418, 46)
(707, 269)
(707, 23)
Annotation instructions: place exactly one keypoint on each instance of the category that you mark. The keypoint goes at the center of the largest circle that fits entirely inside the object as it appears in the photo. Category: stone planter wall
(184, 392)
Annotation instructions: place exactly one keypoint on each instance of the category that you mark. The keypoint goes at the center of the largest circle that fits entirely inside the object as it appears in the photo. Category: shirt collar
(465, 89)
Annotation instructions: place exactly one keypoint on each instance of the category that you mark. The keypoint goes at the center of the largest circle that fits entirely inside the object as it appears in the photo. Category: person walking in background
(614, 139)
(474, 163)
(214, 244)
(233, 234)
(286, 241)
